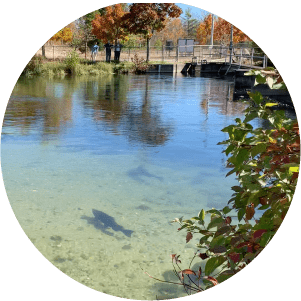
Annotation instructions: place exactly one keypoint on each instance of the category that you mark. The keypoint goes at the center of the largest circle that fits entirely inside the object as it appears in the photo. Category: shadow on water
(103, 221)
(138, 173)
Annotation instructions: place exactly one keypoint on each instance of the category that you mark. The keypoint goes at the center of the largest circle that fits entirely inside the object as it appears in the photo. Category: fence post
(240, 59)
(162, 53)
(177, 53)
(53, 52)
(265, 61)
(252, 54)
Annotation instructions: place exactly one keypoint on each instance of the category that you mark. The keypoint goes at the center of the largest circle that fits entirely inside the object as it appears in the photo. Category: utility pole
(231, 44)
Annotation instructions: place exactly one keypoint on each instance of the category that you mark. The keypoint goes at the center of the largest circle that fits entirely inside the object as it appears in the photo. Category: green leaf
(231, 172)
(229, 149)
(257, 149)
(241, 214)
(236, 189)
(250, 116)
(214, 211)
(202, 215)
(213, 263)
(227, 209)
(265, 238)
(242, 156)
(215, 222)
(217, 241)
(260, 79)
(263, 207)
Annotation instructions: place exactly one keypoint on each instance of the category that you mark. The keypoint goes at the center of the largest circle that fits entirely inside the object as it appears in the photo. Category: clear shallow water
(141, 149)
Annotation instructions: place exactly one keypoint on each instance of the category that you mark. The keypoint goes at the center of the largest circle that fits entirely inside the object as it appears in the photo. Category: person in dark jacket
(108, 46)
(117, 50)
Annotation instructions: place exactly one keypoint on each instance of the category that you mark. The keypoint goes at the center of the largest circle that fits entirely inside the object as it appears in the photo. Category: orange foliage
(146, 18)
(109, 27)
(64, 34)
(222, 31)
(172, 31)
(204, 30)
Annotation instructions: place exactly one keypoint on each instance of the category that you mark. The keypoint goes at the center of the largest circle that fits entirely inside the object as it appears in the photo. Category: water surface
(140, 149)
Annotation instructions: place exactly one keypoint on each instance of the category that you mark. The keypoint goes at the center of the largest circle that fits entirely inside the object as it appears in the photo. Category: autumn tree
(173, 31)
(109, 25)
(222, 32)
(204, 30)
(64, 35)
(146, 18)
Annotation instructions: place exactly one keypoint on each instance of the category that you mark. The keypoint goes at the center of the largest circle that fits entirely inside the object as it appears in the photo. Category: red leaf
(203, 255)
(259, 233)
(211, 279)
(234, 257)
(188, 271)
(228, 220)
(200, 273)
(175, 258)
(250, 211)
(188, 237)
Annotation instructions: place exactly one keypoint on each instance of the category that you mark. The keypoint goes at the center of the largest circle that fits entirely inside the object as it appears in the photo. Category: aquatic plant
(266, 162)
(140, 65)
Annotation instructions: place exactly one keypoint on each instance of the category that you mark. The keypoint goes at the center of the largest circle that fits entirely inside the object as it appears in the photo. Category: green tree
(190, 24)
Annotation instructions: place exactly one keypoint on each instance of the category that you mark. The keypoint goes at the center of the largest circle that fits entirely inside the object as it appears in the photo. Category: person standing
(108, 48)
(94, 52)
(118, 47)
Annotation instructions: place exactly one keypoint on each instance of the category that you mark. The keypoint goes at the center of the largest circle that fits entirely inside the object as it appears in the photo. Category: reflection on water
(96, 168)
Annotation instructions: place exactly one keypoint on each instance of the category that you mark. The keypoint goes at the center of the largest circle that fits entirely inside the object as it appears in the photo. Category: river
(96, 168)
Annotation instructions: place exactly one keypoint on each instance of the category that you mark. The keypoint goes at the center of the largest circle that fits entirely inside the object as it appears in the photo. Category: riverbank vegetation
(266, 163)
(73, 65)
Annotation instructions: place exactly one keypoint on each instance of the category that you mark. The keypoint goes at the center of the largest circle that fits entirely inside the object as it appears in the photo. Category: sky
(196, 12)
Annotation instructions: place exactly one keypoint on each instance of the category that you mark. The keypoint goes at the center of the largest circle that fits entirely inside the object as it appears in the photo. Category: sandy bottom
(53, 192)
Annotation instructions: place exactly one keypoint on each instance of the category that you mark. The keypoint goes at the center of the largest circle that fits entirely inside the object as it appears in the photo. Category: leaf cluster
(266, 163)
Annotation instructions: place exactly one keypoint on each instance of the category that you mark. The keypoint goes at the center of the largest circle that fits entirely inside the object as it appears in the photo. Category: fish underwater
(139, 172)
(103, 221)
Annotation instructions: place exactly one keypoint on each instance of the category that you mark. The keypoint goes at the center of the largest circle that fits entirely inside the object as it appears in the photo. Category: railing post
(162, 53)
(177, 53)
(252, 54)
(240, 59)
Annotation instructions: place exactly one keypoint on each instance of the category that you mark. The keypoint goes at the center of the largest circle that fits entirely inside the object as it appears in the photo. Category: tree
(204, 30)
(64, 35)
(146, 18)
(172, 31)
(190, 24)
(222, 33)
(110, 25)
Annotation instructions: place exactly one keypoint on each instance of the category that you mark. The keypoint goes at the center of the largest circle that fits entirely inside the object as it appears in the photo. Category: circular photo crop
(150, 151)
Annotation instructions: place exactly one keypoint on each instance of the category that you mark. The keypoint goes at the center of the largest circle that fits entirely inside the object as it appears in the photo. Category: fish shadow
(137, 174)
(103, 221)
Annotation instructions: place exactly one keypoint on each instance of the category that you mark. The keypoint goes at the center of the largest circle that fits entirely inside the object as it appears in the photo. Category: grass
(72, 64)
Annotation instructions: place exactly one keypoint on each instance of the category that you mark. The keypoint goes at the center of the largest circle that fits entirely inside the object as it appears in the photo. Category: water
(141, 149)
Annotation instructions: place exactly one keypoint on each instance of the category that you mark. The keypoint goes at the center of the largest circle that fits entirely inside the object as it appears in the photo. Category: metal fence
(171, 54)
